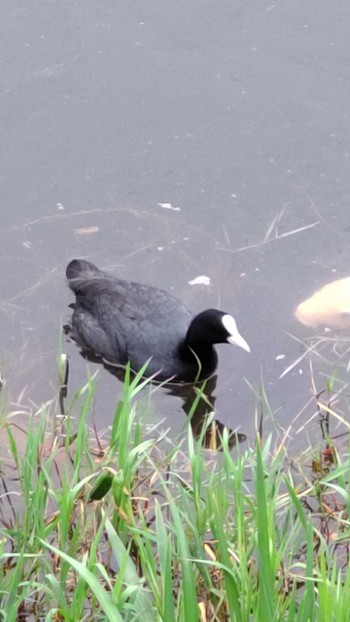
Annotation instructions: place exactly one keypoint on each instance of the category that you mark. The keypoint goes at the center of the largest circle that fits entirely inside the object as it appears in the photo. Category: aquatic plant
(129, 524)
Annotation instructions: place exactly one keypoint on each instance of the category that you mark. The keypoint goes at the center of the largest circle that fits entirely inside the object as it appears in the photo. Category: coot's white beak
(234, 336)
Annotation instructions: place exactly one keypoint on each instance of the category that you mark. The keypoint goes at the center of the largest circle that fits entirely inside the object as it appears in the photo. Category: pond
(166, 142)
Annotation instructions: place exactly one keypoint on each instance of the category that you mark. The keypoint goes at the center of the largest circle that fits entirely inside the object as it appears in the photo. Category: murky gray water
(114, 114)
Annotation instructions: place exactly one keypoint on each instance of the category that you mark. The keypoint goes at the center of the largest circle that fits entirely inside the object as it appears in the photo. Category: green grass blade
(105, 600)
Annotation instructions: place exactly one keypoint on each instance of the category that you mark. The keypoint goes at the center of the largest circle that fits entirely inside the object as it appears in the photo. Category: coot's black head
(213, 326)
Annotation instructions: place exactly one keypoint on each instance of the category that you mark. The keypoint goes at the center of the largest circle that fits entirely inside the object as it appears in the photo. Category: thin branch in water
(274, 225)
(283, 235)
(84, 212)
(318, 213)
(300, 358)
(27, 292)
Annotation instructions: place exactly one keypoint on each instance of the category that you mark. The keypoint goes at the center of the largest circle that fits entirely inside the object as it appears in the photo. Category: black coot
(122, 321)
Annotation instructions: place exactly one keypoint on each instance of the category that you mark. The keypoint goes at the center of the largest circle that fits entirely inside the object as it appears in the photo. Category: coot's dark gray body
(123, 321)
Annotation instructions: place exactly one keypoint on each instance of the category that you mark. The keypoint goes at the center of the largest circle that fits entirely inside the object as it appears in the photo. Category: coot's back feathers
(123, 321)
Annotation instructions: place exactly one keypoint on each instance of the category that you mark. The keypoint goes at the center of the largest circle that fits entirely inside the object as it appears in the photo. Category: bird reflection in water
(204, 424)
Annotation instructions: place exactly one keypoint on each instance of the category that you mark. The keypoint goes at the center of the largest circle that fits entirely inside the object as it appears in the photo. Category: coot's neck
(201, 356)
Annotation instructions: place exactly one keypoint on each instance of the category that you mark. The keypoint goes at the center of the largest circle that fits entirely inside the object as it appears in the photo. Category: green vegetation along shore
(135, 526)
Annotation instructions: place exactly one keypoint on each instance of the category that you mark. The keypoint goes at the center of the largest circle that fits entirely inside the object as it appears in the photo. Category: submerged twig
(84, 212)
(309, 349)
(267, 240)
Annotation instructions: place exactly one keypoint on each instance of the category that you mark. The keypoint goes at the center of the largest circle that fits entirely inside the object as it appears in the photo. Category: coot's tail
(78, 271)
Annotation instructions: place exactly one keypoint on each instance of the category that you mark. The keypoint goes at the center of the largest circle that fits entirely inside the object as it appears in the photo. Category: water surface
(164, 141)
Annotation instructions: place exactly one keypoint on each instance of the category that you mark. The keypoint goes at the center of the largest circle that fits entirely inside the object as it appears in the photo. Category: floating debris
(86, 230)
(329, 306)
(200, 280)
